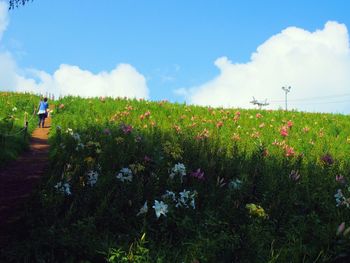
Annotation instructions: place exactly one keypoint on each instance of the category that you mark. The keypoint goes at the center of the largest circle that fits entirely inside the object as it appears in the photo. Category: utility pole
(286, 90)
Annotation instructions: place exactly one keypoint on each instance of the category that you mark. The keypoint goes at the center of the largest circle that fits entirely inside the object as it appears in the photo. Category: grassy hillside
(13, 109)
(139, 181)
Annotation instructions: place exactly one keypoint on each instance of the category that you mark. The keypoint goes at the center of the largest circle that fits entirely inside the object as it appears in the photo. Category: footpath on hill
(19, 177)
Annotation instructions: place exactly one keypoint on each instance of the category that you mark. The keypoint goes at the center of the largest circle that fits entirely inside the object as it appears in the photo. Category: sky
(217, 53)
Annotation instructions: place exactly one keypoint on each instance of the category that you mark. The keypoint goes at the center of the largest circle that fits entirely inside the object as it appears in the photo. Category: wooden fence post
(25, 125)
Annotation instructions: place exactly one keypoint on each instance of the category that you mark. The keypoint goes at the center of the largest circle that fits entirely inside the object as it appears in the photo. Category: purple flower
(327, 159)
(198, 174)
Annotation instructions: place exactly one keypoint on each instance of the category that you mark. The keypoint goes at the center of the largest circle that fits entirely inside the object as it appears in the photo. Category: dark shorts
(42, 116)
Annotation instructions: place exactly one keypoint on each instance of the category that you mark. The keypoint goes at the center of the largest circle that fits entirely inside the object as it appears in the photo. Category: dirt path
(19, 177)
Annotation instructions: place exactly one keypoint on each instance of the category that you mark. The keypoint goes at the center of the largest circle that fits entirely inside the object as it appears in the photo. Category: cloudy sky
(219, 53)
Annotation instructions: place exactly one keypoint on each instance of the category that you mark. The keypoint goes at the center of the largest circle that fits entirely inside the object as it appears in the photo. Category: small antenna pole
(286, 90)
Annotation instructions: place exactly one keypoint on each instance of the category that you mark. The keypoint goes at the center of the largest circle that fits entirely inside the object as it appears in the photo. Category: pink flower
(129, 108)
(192, 125)
(202, 135)
(340, 228)
(235, 137)
(198, 174)
(275, 142)
(290, 124)
(266, 152)
(219, 124)
(289, 151)
(284, 131)
(237, 113)
(255, 134)
(177, 128)
(340, 179)
(126, 128)
(258, 115)
(147, 114)
(306, 129)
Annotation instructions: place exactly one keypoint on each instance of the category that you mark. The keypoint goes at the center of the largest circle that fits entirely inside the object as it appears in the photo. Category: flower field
(140, 181)
(14, 109)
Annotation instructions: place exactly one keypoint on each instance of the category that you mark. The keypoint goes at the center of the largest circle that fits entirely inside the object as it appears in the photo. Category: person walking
(43, 111)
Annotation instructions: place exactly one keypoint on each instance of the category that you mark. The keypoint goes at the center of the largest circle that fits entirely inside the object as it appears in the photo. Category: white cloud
(123, 81)
(315, 64)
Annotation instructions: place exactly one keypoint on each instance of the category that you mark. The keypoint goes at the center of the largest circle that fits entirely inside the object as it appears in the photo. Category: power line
(313, 98)
(329, 102)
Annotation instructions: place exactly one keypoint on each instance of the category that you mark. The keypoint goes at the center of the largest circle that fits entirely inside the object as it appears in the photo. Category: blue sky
(173, 44)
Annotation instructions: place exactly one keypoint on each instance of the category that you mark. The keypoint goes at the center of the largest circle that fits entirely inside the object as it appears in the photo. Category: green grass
(13, 108)
(262, 197)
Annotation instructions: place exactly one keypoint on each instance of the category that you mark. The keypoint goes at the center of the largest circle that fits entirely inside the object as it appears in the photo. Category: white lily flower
(178, 169)
(186, 197)
(169, 194)
(160, 208)
(64, 188)
(92, 178)
(80, 146)
(58, 185)
(76, 136)
(67, 189)
(125, 174)
(143, 209)
(235, 184)
(193, 204)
